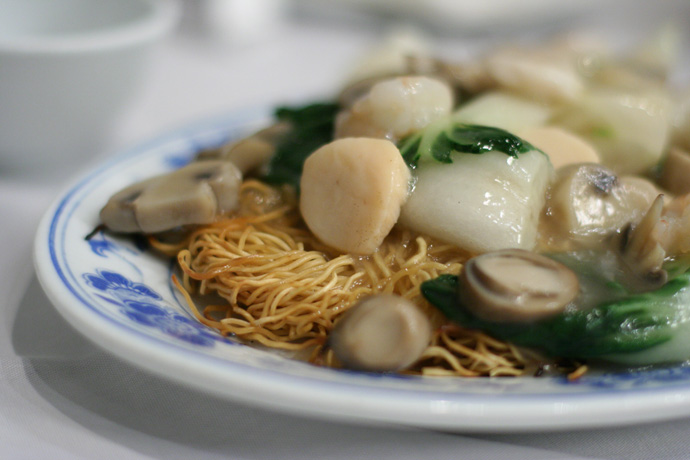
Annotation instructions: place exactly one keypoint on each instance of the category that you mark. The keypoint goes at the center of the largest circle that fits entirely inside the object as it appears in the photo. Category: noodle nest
(262, 277)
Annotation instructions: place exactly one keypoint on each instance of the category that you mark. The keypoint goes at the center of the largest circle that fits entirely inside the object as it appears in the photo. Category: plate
(119, 294)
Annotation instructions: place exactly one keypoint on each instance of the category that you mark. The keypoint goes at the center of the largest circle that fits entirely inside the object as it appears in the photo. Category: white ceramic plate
(120, 296)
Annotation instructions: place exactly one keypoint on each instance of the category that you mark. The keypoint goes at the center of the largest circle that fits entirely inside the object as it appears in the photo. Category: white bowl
(68, 69)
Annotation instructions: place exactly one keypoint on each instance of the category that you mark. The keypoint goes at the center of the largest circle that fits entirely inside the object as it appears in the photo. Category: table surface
(62, 397)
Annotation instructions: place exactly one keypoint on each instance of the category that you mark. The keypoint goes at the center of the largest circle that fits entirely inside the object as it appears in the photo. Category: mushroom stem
(381, 333)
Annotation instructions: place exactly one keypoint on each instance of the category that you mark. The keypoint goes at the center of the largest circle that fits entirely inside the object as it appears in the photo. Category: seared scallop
(351, 192)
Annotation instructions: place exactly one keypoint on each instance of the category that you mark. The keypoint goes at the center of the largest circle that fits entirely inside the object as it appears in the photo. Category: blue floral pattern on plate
(142, 305)
(636, 378)
(103, 246)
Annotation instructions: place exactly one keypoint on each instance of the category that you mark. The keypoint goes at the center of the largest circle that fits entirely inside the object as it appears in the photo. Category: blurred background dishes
(68, 69)
(467, 16)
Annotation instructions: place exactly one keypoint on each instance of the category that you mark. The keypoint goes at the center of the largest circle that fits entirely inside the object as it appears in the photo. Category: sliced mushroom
(381, 333)
(589, 202)
(675, 173)
(252, 152)
(195, 194)
(516, 286)
(641, 252)
(351, 192)
(643, 247)
(673, 228)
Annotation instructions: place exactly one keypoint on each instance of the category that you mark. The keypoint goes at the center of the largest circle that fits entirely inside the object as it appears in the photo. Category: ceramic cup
(68, 70)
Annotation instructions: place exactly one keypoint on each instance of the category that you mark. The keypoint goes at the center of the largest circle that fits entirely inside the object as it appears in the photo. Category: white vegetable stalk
(480, 202)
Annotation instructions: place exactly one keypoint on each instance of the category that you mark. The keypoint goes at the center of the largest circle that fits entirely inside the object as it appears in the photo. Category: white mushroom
(644, 246)
(516, 286)
(673, 228)
(351, 192)
(641, 253)
(252, 152)
(395, 108)
(589, 202)
(195, 194)
(381, 333)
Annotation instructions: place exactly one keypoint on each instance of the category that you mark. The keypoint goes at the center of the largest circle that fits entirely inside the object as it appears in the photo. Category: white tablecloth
(62, 397)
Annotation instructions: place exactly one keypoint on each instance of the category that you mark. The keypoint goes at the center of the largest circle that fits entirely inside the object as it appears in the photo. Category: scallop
(351, 192)
(395, 108)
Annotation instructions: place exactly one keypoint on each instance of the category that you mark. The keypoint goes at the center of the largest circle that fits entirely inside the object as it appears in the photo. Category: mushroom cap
(195, 194)
(251, 153)
(381, 333)
(589, 202)
(516, 286)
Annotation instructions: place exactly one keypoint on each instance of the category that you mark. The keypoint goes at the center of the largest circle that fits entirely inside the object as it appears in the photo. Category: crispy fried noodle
(282, 288)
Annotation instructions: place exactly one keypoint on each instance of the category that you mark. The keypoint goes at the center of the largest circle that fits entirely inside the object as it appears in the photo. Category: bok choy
(605, 321)
(478, 187)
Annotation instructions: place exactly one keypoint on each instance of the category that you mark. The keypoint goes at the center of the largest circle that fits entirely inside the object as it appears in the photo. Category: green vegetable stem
(626, 324)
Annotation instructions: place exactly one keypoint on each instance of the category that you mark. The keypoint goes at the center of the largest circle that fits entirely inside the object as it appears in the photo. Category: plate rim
(467, 412)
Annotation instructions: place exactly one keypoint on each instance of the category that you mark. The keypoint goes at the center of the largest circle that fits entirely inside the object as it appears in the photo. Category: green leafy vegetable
(311, 127)
(441, 139)
(627, 323)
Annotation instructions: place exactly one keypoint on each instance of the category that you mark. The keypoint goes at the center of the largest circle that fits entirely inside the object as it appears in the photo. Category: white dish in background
(120, 295)
(466, 16)
(68, 70)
